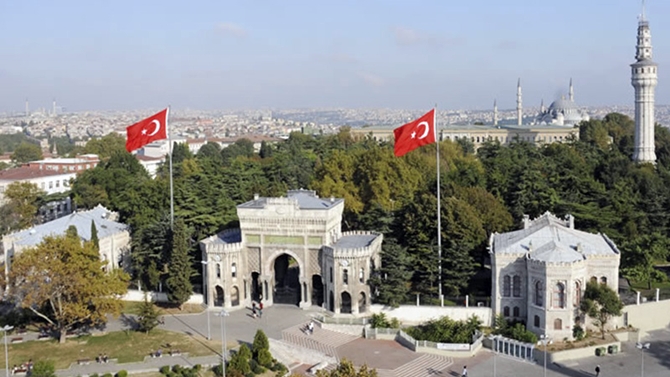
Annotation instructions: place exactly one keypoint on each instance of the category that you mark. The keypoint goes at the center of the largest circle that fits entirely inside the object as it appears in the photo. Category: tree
(43, 368)
(601, 303)
(106, 146)
(261, 342)
(94, 236)
(26, 152)
(392, 278)
(22, 204)
(147, 318)
(62, 280)
(180, 269)
(346, 369)
(240, 361)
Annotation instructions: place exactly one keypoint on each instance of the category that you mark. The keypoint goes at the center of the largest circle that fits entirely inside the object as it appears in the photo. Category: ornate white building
(539, 272)
(644, 80)
(291, 250)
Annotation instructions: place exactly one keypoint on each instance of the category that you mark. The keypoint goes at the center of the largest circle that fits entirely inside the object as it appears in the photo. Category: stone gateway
(290, 250)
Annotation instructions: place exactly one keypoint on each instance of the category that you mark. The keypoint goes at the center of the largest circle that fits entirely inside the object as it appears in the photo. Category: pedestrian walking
(260, 313)
(253, 312)
(597, 370)
(310, 327)
(465, 371)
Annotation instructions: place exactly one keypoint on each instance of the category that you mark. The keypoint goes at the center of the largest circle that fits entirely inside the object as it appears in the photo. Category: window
(331, 274)
(603, 280)
(558, 324)
(594, 280)
(57, 183)
(516, 286)
(516, 311)
(539, 294)
(506, 311)
(218, 271)
(536, 321)
(233, 270)
(51, 184)
(345, 276)
(506, 286)
(559, 296)
(361, 275)
(578, 294)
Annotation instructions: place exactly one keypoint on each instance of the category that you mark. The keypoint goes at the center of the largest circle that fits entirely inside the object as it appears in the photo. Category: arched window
(594, 280)
(233, 270)
(539, 294)
(506, 286)
(536, 321)
(578, 294)
(516, 286)
(603, 280)
(506, 311)
(558, 324)
(559, 296)
(331, 274)
(515, 312)
(218, 271)
(361, 275)
(345, 276)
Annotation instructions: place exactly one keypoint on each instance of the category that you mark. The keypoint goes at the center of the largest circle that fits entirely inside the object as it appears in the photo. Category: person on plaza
(311, 327)
(253, 311)
(465, 371)
(597, 370)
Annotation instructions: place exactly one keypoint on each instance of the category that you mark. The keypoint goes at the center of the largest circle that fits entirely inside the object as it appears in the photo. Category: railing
(342, 320)
(462, 301)
(409, 342)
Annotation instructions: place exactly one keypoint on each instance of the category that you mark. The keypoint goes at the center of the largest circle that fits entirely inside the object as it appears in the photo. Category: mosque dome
(563, 112)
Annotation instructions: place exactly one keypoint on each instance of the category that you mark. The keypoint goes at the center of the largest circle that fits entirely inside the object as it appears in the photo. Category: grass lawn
(133, 307)
(125, 346)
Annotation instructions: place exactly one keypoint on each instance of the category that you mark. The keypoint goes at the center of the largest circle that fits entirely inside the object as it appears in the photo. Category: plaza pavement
(283, 323)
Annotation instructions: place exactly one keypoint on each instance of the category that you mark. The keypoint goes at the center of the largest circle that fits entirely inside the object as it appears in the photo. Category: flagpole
(439, 207)
(167, 129)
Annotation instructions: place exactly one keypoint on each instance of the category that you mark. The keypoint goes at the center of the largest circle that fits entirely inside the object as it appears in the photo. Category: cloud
(230, 29)
(371, 79)
(404, 36)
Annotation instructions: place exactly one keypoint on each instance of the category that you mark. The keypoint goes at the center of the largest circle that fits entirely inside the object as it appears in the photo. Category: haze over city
(209, 55)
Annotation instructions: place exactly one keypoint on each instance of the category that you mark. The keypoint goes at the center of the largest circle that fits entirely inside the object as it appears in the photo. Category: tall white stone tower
(519, 103)
(644, 80)
(495, 113)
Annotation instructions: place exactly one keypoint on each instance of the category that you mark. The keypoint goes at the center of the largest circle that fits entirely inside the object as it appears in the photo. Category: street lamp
(205, 295)
(223, 314)
(5, 329)
(545, 340)
(642, 347)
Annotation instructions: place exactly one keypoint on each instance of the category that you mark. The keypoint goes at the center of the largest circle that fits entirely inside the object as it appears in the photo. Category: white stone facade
(291, 250)
(539, 273)
(644, 79)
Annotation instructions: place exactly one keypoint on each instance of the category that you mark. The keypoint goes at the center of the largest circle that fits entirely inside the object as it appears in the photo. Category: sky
(252, 54)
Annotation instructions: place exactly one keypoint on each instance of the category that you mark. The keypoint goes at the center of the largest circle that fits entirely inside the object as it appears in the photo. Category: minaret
(27, 108)
(644, 80)
(519, 103)
(571, 92)
(542, 109)
(495, 113)
(53, 110)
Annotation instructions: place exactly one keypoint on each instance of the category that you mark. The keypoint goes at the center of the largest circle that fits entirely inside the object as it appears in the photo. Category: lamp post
(206, 296)
(642, 347)
(5, 329)
(223, 314)
(545, 340)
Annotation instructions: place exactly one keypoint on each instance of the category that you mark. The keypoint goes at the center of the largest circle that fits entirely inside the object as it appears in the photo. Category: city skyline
(223, 55)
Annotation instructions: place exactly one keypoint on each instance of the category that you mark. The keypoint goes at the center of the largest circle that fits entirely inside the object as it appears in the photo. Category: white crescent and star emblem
(158, 127)
(426, 128)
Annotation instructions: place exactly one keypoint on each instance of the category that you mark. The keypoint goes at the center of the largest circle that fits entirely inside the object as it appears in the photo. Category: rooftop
(305, 199)
(355, 241)
(81, 220)
(223, 238)
(25, 172)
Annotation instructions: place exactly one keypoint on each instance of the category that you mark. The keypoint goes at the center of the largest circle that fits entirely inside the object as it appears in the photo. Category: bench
(84, 361)
(17, 340)
(43, 336)
(175, 353)
(20, 371)
(21, 331)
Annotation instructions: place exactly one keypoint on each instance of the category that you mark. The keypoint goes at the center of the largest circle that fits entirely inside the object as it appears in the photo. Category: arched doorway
(287, 280)
(361, 303)
(331, 302)
(345, 306)
(235, 296)
(218, 300)
(255, 286)
(317, 290)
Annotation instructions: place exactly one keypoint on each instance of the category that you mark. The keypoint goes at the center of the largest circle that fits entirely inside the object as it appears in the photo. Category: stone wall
(135, 295)
(414, 315)
(647, 316)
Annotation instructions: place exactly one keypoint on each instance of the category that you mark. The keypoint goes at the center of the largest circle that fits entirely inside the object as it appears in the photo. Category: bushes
(179, 371)
(514, 330)
(446, 330)
(380, 321)
(122, 373)
(578, 333)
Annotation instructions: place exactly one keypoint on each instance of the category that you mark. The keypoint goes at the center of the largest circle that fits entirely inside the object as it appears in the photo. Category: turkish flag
(146, 131)
(415, 134)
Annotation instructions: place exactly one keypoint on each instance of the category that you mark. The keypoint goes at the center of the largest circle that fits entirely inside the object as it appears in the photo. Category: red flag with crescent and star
(146, 131)
(415, 134)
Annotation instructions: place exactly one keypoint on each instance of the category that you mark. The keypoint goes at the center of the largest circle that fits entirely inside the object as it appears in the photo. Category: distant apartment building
(161, 148)
(77, 164)
(151, 164)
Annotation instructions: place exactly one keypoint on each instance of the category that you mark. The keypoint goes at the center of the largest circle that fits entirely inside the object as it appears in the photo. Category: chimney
(526, 221)
(332, 199)
(256, 196)
(571, 221)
